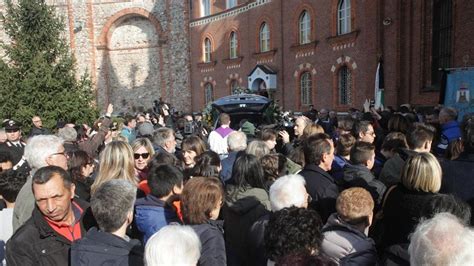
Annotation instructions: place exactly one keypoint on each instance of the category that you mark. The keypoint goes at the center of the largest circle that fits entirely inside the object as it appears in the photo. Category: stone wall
(134, 51)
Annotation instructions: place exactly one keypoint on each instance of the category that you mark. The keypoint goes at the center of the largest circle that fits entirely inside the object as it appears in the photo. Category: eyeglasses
(143, 155)
(60, 153)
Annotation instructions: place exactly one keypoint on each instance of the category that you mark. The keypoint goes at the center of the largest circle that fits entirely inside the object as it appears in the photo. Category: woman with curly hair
(291, 231)
(208, 164)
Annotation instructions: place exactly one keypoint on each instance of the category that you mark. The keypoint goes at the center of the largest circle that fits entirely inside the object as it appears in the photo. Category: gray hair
(237, 141)
(173, 245)
(112, 202)
(39, 148)
(287, 191)
(442, 240)
(67, 134)
(449, 113)
(257, 148)
(162, 135)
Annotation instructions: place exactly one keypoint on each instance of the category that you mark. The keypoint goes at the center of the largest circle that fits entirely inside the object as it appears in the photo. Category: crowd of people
(370, 187)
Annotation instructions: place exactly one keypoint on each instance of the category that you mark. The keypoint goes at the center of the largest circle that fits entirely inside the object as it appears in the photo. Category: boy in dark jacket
(358, 173)
(155, 211)
(112, 206)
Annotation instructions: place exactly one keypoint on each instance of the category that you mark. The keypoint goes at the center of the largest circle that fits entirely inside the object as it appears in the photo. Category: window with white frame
(207, 50)
(264, 38)
(233, 45)
(343, 17)
(305, 28)
(345, 86)
(205, 8)
(208, 93)
(306, 88)
(231, 3)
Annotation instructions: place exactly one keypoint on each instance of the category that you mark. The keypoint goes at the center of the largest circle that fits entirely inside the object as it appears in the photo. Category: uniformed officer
(14, 145)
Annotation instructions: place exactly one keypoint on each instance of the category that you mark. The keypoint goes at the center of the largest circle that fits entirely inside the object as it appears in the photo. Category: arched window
(345, 86)
(264, 38)
(305, 28)
(233, 45)
(234, 86)
(306, 88)
(343, 17)
(208, 93)
(205, 8)
(207, 50)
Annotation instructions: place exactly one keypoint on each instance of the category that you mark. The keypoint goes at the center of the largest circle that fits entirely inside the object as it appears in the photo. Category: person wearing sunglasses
(142, 153)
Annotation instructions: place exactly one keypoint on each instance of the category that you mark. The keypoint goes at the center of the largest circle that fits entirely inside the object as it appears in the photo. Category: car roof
(242, 103)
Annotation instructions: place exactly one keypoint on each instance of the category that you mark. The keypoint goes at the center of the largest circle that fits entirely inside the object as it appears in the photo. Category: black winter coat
(36, 243)
(101, 248)
(211, 235)
(322, 188)
(360, 176)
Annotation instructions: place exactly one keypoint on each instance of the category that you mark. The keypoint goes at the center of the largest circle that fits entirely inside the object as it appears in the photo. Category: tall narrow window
(264, 38)
(442, 39)
(207, 50)
(205, 8)
(234, 86)
(306, 88)
(345, 86)
(305, 28)
(208, 93)
(231, 3)
(233, 45)
(343, 17)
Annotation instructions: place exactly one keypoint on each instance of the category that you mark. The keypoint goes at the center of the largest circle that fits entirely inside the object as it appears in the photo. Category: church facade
(325, 53)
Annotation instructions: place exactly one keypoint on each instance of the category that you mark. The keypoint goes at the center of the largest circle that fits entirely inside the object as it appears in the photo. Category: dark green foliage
(37, 73)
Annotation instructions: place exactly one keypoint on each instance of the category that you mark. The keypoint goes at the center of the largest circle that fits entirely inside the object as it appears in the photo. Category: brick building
(134, 51)
(326, 52)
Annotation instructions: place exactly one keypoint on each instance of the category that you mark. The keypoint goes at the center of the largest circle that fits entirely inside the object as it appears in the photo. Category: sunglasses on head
(143, 155)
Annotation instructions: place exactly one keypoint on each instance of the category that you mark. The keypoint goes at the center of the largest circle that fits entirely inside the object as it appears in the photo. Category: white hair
(39, 148)
(173, 245)
(442, 240)
(237, 141)
(287, 191)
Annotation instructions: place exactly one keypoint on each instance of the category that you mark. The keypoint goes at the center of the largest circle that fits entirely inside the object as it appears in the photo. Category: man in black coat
(319, 155)
(112, 206)
(38, 128)
(57, 221)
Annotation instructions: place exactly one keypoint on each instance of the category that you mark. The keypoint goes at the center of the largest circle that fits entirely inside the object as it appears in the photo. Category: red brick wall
(404, 44)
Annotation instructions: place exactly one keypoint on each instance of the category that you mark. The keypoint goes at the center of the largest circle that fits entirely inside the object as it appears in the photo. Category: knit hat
(248, 128)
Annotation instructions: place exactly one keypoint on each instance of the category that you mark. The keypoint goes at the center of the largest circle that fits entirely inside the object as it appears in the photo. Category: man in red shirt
(45, 239)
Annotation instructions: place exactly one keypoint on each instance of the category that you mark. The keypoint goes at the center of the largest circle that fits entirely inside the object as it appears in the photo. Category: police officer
(14, 145)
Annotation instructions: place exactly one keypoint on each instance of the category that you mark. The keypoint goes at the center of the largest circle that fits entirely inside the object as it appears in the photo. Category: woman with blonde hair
(142, 153)
(403, 203)
(115, 162)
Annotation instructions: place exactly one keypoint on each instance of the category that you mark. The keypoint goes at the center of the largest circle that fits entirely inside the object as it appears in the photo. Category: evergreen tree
(37, 73)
